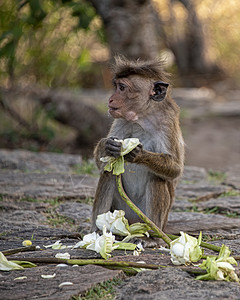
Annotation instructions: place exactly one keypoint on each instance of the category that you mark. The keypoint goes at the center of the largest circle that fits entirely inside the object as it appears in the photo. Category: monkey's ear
(159, 91)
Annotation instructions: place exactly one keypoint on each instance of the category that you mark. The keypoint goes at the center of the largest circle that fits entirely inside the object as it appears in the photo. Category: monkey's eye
(121, 87)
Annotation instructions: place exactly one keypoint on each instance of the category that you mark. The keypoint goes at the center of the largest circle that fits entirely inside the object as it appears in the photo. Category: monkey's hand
(136, 152)
(113, 147)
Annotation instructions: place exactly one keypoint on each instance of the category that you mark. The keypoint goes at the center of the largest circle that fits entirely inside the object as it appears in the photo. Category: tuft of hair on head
(153, 69)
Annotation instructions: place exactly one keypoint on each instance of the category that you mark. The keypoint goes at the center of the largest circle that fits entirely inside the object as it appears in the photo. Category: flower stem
(109, 264)
(141, 215)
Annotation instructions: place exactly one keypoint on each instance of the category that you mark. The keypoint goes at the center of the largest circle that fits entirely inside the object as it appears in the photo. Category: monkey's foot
(147, 242)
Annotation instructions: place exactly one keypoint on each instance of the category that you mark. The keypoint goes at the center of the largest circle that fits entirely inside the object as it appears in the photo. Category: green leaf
(125, 246)
(138, 228)
(24, 264)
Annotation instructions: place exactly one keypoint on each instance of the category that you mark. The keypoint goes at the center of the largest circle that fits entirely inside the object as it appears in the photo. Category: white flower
(6, 265)
(101, 244)
(88, 239)
(104, 244)
(185, 249)
(114, 222)
(219, 267)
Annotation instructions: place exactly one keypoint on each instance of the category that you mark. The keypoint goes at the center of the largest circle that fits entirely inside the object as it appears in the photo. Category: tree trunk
(190, 47)
(90, 124)
(130, 27)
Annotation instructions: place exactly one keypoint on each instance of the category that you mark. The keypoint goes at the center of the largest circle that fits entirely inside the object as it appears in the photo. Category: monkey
(142, 108)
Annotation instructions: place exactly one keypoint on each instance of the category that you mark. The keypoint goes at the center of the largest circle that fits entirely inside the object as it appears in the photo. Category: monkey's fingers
(113, 148)
(134, 153)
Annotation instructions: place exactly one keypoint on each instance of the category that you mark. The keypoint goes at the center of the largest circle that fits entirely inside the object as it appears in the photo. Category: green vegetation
(210, 238)
(216, 177)
(47, 41)
(86, 167)
(105, 290)
(88, 200)
(56, 220)
(231, 193)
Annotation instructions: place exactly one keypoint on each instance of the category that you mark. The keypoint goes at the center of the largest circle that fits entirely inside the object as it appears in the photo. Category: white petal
(65, 283)
(225, 266)
(62, 265)
(177, 249)
(48, 276)
(55, 244)
(63, 255)
(20, 278)
(119, 228)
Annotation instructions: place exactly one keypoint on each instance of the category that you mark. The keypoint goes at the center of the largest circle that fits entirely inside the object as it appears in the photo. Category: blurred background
(55, 79)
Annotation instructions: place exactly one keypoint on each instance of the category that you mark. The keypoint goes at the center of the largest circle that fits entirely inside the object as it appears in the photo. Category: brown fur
(152, 174)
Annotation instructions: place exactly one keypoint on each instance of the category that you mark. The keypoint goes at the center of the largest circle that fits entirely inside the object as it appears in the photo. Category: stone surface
(194, 185)
(193, 174)
(46, 186)
(191, 222)
(233, 175)
(172, 283)
(225, 205)
(80, 213)
(27, 161)
(29, 181)
(200, 192)
(36, 287)
(22, 230)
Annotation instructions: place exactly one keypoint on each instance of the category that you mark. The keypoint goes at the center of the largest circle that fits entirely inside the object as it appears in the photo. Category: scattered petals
(20, 278)
(62, 265)
(57, 245)
(63, 255)
(48, 276)
(164, 249)
(65, 283)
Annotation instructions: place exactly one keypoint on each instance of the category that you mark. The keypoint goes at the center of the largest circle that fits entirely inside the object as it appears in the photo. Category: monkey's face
(130, 99)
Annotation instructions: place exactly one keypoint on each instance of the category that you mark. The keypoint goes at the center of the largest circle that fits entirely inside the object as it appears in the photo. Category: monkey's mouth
(111, 109)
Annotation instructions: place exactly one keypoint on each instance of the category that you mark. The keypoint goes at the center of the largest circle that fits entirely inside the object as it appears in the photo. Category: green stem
(99, 262)
(141, 215)
(17, 250)
(108, 264)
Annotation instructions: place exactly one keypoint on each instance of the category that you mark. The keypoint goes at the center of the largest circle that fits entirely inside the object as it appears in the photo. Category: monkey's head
(139, 87)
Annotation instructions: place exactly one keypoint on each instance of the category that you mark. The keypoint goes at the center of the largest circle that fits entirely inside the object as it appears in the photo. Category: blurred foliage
(57, 42)
(48, 41)
(221, 23)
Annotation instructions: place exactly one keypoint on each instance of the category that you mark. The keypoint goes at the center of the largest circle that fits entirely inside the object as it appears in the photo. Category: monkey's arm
(163, 165)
